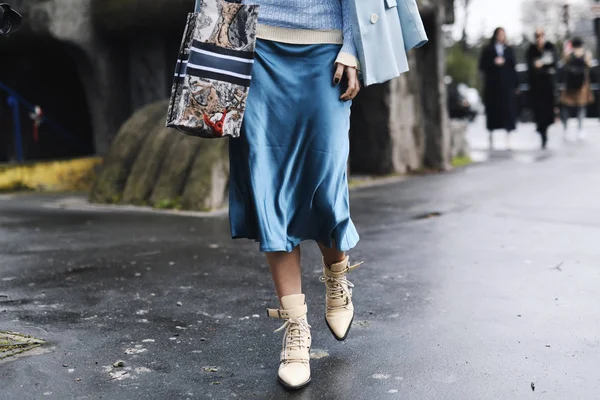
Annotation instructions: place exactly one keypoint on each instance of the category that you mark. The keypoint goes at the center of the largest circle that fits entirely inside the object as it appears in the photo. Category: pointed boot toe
(339, 312)
(339, 323)
(294, 376)
(294, 367)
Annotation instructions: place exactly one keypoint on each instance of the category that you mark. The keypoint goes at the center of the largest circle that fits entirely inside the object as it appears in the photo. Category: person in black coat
(542, 59)
(497, 63)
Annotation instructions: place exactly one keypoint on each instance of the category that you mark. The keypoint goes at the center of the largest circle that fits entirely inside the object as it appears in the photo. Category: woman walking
(288, 178)
(497, 63)
(541, 65)
(577, 94)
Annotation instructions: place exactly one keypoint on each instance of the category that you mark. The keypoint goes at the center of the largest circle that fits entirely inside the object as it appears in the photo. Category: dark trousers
(566, 112)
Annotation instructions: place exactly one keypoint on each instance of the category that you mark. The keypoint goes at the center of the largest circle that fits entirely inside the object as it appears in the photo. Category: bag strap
(199, 3)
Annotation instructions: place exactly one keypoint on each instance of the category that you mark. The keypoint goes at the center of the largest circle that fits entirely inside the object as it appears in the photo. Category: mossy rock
(175, 170)
(123, 152)
(207, 182)
(148, 164)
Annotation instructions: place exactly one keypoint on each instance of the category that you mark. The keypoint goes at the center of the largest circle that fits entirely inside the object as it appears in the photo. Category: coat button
(374, 18)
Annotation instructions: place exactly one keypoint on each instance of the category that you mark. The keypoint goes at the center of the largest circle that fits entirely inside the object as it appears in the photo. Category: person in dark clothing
(577, 93)
(542, 59)
(497, 63)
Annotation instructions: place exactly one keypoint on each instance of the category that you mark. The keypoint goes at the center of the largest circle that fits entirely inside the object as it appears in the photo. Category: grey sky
(486, 15)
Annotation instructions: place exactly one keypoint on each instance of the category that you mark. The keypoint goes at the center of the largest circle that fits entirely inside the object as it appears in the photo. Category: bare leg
(564, 116)
(294, 368)
(544, 135)
(286, 272)
(333, 255)
(581, 114)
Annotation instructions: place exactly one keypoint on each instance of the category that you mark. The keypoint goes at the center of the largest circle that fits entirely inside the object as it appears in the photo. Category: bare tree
(549, 14)
(544, 14)
(463, 6)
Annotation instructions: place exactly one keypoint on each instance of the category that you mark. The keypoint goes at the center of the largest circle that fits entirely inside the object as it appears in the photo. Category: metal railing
(16, 102)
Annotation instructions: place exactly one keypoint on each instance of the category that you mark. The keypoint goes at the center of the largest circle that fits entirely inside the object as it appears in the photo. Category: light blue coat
(384, 30)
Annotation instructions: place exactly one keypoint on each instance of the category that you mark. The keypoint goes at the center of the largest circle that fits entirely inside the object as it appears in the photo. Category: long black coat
(542, 94)
(500, 89)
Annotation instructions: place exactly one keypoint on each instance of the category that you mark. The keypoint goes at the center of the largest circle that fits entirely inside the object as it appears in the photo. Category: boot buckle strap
(331, 274)
(335, 303)
(342, 273)
(295, 356)
(287, 314)
(353, 267)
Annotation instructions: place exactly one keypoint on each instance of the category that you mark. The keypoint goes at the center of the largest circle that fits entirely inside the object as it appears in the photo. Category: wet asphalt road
(498, 291)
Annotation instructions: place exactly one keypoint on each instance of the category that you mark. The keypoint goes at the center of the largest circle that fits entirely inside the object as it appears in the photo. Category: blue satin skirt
(288, 179)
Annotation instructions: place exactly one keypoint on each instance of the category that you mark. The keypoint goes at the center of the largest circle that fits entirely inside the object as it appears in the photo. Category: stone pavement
(481, 283)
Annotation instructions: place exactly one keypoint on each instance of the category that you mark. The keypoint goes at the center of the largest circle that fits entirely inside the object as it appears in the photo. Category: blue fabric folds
(288, 178)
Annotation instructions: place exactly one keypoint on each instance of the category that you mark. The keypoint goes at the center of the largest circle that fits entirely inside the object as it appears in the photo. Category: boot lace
(296, 332)
(337, 288)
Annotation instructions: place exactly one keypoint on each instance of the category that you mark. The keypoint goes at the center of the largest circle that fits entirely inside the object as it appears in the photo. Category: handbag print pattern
(214, 69)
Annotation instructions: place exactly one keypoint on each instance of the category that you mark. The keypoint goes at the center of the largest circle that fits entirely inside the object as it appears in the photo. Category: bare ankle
(331, 261)
(331, 255)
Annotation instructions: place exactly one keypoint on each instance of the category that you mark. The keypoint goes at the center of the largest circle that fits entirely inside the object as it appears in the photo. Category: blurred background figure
(497, 63)
(541, 65)
(577, 94)
(37, 116)
(463, 101)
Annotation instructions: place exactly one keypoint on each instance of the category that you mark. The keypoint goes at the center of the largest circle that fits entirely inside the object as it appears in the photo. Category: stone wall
(387, 127)
(120, 49)
(99, 62)
(124, 51)
(402, 125)
(431, 61)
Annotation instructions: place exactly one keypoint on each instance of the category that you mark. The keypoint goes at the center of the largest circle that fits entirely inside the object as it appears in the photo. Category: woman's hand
(351, 76)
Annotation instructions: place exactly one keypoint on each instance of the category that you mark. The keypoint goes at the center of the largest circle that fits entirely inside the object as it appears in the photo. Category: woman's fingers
(353, 80)
(353, 84)
(339, 73)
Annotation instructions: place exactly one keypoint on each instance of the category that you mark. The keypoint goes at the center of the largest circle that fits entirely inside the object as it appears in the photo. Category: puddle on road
(15, 345)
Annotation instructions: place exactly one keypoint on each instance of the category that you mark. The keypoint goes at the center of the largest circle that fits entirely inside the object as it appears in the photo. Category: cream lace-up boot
(294, 369)
(340, 310)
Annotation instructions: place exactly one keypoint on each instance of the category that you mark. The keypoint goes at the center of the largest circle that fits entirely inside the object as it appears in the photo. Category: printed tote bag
(214, 69)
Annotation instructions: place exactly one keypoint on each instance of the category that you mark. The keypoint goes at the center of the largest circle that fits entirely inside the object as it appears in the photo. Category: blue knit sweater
(314, 15)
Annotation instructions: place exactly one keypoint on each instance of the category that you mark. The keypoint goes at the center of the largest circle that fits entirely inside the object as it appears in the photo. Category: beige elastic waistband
(298, 36)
